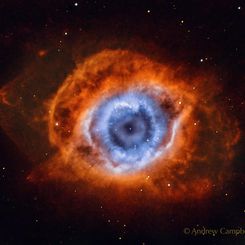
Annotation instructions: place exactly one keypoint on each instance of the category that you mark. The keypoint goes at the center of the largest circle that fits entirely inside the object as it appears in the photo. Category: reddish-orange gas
(199, 150)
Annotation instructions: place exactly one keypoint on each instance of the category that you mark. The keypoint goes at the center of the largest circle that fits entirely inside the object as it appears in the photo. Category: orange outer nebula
(200, 152)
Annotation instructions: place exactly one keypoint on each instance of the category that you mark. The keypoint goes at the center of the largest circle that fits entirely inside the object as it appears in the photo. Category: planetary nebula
(123, 120)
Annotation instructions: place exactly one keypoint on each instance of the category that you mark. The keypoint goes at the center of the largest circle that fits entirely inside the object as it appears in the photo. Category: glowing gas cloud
(125, 120)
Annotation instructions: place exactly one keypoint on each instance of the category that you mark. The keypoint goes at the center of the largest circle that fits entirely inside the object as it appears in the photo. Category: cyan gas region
(129, 128)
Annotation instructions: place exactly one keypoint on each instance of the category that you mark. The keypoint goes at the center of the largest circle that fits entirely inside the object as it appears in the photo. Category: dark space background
(207, 33)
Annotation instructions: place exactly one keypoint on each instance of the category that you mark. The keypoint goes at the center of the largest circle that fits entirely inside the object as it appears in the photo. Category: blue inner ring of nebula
(130, 127)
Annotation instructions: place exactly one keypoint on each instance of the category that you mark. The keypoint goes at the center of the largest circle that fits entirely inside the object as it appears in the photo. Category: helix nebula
(121, 118)
(127, 128)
